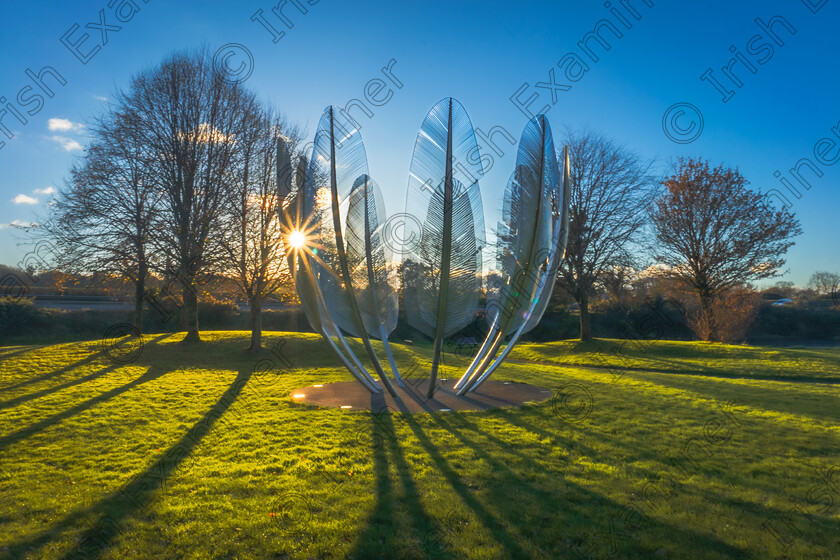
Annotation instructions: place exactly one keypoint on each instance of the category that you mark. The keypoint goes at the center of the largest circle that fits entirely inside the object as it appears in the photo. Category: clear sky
(481, 53)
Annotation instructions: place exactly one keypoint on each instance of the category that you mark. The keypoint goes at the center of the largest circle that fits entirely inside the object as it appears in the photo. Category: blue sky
(481, 53)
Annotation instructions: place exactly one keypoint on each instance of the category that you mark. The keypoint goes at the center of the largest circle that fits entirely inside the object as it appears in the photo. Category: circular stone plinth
(351, 395)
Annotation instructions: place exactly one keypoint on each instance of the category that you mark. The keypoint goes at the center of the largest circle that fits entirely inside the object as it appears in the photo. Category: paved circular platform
(351, 395)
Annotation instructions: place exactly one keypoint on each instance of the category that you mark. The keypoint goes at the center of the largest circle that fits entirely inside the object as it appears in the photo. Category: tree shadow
(49, 375)
(43, 392)
(22, 350)
(677, 367)
(680, 368)
(755, 397)
(73, 365)
(89, 377)
(151, 374)
(138, 495)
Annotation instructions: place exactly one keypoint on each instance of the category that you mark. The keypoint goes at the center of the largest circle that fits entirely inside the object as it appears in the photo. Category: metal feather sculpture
(290, 191)
(442, 273)
(343, 272)
(324, 279)
(369, 259)
(531, 240)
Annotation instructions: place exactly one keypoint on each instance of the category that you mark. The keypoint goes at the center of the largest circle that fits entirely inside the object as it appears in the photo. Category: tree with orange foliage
(717, 235)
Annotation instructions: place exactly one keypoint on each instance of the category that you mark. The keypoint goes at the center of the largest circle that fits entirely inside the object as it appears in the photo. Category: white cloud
(24, 199)
(63, 125)
(47, 190)
(18, 223)
(100, 98)
(67, 143)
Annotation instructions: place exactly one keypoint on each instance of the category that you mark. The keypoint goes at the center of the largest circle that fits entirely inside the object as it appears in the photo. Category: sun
(297, 239)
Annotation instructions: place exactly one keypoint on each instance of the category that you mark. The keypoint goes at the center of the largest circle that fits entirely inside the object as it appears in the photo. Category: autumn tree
(611, 193)
(716, 235)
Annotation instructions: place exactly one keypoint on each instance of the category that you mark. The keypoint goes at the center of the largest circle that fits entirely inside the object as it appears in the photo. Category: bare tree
(190, 117)
(824, 282)
(253, 245)
(718, 235)
(611, 194)
(617, 281)
(103, 217)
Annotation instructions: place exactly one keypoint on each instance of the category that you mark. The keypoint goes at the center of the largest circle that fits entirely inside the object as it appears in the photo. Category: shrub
(732, 313)
(20, 317)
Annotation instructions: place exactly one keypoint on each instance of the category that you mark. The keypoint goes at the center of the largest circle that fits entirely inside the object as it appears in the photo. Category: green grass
(200, 453)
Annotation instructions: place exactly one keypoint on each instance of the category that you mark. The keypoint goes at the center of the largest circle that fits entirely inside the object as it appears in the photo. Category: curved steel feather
(298, 263)
(525, 243)
(338, 158)
(560, 223)
(442, 274)
(560, 227)
(369, 258)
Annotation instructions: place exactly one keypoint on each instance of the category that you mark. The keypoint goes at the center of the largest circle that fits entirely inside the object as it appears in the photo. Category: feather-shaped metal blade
(560, 236)
(442, 273)
(335, 134)
(369, 259)
(290, 191)
(524, 242)
(338, 159)
(560, 221)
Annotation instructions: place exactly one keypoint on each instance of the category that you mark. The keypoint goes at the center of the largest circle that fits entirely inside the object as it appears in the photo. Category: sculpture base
(351, 395)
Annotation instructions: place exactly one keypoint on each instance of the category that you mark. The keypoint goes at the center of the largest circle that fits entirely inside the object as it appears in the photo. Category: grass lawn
(654, 450)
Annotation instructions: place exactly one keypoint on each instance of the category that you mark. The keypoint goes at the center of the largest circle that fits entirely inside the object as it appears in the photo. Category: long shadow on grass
(49, 375)
(539, 511)
(20, 351)
(516, 418)
(707, 371)
(137, 496)
(10, 439)
(377, 538)
(43, 392)
(681, 368)
(757, 398)
(78, 381)
(500, 533)
(759, 513)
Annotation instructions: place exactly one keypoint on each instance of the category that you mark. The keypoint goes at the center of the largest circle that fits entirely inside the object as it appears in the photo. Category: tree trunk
(585, 331)
(190, 309)
(707, 315)
(139, 292)
(256, 324)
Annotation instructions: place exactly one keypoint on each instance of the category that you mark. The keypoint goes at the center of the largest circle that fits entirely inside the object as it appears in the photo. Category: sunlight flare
(297, 239)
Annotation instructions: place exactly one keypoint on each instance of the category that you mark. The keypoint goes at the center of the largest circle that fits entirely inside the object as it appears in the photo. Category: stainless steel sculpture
(344, 270)
(442, 274)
